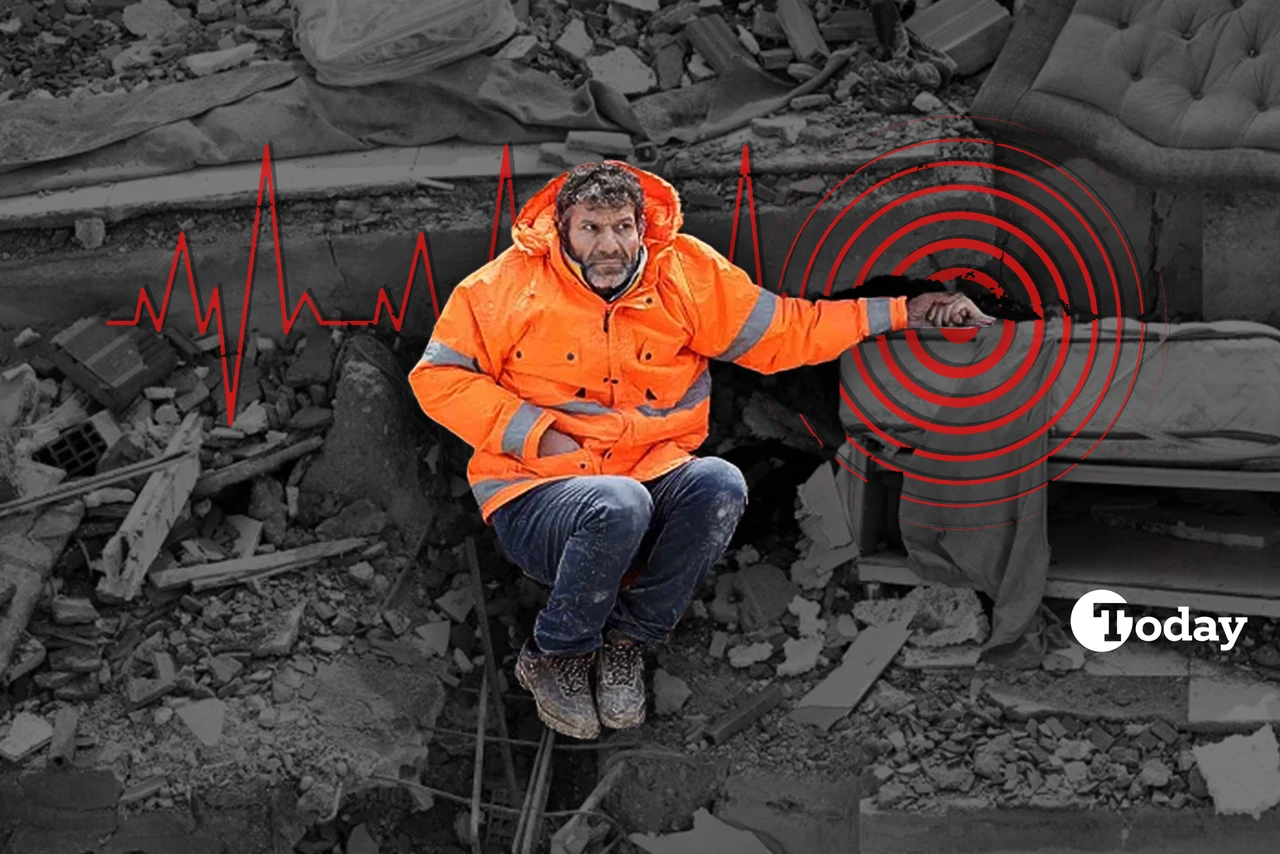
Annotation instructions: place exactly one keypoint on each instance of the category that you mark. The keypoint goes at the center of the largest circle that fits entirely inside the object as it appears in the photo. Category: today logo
(1101, 622)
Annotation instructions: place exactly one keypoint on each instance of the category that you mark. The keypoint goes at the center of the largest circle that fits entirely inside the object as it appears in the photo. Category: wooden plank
(1121, 475)
(382, 170)
(745, 714)
(863, 662)
(129, 554)
(216, 481)
(1254, 532)
(76, 488)
(971, 32)
(1143, 568)
(169, 579)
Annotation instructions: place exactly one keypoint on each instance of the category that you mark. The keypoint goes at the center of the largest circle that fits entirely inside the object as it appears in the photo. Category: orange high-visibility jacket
(524, 344)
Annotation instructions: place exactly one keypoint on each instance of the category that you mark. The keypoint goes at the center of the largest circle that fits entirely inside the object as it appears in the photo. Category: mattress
(1192, 395)
(1201, 394)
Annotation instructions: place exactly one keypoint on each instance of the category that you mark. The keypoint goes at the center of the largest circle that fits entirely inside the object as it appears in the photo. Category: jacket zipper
(606, 319)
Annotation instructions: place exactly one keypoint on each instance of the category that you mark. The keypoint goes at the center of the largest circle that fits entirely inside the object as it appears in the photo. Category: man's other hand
(554, 442)
(944, 309)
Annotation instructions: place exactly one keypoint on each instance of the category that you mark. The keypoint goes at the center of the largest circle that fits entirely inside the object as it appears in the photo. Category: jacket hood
(535, 229)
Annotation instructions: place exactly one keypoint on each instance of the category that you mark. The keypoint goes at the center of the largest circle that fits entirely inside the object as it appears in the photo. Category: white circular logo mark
(1099, 622)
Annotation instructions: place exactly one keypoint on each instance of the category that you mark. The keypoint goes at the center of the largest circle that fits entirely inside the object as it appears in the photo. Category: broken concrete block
(77, 611)
(970, 32)
(765, 591)
(457, 603)
(621, 69)
(669, 64)
(204, 64)
(940, 614)
(435, 637)
(785, 127)
(811, 102)
(313, 365)
(575, 42)
(601, 142)
(811, 625)
(91, 233)
(361, 573)
(716, 42)
(776, 59)
(1064, 660)
(801, 31)
(744, 656)
(27, 734)
(153, 19)
(204, 718)
(669, 693)
(519, 49)
(927, 102)
(847, 627)
(719, 642)
(812, 186)
(286, 634)
(1242, 773)
(144, 692)
(801, 72)
(801, 655)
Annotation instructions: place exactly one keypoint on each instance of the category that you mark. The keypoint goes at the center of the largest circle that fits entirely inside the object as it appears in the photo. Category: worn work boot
(620, 682)
(561, 687)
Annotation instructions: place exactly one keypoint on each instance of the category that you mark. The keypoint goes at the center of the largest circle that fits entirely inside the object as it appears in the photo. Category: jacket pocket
(581, 461)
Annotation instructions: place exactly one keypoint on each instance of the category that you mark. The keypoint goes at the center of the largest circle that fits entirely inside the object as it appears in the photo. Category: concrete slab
(1088, 697)
(963, 657)
(800, 815)
(1242, 773)
(382, 170)
(1219, 696)
(58, 812)
(1022, 831)
(1138, 659)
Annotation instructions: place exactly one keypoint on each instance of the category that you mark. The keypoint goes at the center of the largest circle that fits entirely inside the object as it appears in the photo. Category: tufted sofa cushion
(1171, 93)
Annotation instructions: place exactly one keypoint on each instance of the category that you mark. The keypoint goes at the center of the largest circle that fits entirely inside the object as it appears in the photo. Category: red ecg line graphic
(267, 184)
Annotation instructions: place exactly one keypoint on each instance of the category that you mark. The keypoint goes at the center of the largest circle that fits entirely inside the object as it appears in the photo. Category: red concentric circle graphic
(978, 407)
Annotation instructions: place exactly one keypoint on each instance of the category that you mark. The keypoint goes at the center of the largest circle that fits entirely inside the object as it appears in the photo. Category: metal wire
(524, 742)
(465, 801)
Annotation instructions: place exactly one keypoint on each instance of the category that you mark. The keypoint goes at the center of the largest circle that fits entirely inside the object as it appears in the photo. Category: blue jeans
(579, 536)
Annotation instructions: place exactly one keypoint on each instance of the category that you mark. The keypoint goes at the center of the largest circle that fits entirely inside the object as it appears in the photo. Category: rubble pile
(74, 48)
(784, 666)
(77, 48)
(152, 618)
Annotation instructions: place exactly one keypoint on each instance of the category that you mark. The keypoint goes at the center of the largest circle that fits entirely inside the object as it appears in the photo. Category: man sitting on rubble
(576, 365)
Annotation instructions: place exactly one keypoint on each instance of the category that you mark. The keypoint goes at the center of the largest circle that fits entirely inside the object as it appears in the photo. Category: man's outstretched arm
(456, 386)
(736, 321)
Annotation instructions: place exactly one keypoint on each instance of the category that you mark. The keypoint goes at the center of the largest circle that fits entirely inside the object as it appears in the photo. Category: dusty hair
(599, 185)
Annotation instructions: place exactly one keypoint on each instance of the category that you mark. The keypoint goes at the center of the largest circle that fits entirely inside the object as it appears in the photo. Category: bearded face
(605, 241)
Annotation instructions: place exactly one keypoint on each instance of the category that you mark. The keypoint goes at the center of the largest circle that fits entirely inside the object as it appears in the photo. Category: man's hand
(553, 442)
(944, 309)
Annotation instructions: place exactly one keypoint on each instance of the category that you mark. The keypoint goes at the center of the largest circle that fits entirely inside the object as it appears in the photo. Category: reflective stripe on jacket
(524, 344)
